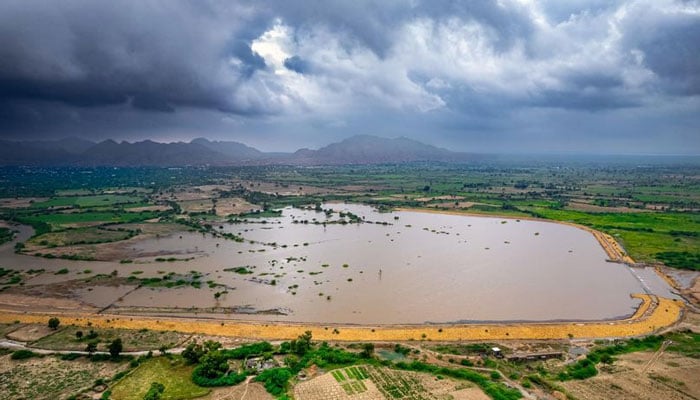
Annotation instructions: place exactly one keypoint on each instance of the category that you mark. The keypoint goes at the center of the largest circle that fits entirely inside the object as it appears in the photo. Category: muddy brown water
(416, 268)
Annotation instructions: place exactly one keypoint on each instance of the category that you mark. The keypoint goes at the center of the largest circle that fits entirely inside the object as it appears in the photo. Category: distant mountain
(366, 149)
(71, 145)
(361, 149)
(233, 150)
(149, 153)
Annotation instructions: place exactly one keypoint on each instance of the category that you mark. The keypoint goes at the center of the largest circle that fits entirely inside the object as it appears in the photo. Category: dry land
(652, 315)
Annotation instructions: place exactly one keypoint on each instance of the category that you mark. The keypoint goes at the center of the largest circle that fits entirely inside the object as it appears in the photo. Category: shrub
(275, 380)
(154, 392)
(22, 354)
(70, 356)
(54, 323)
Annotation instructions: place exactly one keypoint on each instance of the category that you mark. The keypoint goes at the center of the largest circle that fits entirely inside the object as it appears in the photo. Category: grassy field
(60, 220)
(172, 373)
(80, 236)
(134, 340)
(104, 200)
(50, 378)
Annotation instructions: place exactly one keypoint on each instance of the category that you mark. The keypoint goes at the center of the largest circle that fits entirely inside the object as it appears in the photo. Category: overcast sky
(597, 76)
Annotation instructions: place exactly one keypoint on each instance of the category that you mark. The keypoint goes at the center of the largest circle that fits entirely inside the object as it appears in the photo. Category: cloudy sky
(596, 76)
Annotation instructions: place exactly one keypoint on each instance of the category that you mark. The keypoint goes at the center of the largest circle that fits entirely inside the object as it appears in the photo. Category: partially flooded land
(342, 263)
(434, 276)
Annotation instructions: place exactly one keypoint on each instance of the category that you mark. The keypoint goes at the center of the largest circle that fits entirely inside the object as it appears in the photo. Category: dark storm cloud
(278, 70)
(670, 46)
(155, 55)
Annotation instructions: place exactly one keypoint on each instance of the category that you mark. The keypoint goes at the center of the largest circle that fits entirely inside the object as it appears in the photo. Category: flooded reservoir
(391, 268)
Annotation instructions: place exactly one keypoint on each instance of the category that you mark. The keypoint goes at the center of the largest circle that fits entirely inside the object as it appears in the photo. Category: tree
(367, 350)
(302, 344)
(155, 392)
(193, 352)
(115, 347)
(54, 323)
(91, 347)
(213, 364)
(79, 335)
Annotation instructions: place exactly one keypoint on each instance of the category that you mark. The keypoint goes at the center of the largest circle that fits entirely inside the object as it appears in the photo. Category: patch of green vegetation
(104, 200)
(76, 338)
(57, 221)
(172, 372)
(6, 234)
(680, 259)
(494, 389)
(261, 214)
(77, 236)
(239, 270)
(22, 354)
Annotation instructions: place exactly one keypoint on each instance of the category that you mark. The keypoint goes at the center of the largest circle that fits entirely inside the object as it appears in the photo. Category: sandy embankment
(650, 317)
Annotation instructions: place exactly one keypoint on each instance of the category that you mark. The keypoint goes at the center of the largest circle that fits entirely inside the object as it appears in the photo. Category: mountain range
(360, 149)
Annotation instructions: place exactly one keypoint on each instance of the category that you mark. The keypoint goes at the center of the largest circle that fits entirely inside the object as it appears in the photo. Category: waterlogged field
(345, 263)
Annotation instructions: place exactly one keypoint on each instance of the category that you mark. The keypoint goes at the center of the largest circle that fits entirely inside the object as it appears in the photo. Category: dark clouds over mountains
(475, 75)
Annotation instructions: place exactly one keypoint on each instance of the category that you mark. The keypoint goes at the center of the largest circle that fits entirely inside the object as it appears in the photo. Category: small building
(259, 364)
(496, 352)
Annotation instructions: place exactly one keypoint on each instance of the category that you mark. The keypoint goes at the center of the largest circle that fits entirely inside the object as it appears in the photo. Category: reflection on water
(417, 267)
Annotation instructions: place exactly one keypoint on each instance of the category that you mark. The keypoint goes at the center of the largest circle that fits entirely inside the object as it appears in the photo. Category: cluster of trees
(213, 368)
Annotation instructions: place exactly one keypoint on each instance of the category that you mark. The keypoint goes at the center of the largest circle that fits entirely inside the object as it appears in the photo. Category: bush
(54, 323)
(200, 379)
(116, 347)
(70, 356)
(154, 392)
(22, 354)
(275, 380)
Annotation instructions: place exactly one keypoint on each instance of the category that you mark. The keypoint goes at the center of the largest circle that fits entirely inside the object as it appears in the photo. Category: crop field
(87, 201)
(369, 382)
(172, 373)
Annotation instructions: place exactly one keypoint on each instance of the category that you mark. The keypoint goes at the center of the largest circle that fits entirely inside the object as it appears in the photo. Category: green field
(172, 373)
(134, 340)
(104, 200)
(61, 220)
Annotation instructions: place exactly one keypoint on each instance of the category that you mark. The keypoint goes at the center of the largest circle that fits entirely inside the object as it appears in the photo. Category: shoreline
(652, 315)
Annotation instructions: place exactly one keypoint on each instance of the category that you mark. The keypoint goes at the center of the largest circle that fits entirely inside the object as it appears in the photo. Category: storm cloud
(512, 75)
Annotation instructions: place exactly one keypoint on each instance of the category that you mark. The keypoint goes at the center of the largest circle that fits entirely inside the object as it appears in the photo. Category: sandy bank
(653, 314)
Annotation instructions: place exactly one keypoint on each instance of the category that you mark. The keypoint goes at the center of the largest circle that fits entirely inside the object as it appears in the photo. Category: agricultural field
(171, 373)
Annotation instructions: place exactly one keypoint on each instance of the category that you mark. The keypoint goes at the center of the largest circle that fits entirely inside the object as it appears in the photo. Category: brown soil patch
(251, 391)
(226, 206)
(672, 377)
(30, 333)
(325, 387)
(21, 303)
(49, 377)
(21, 203)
